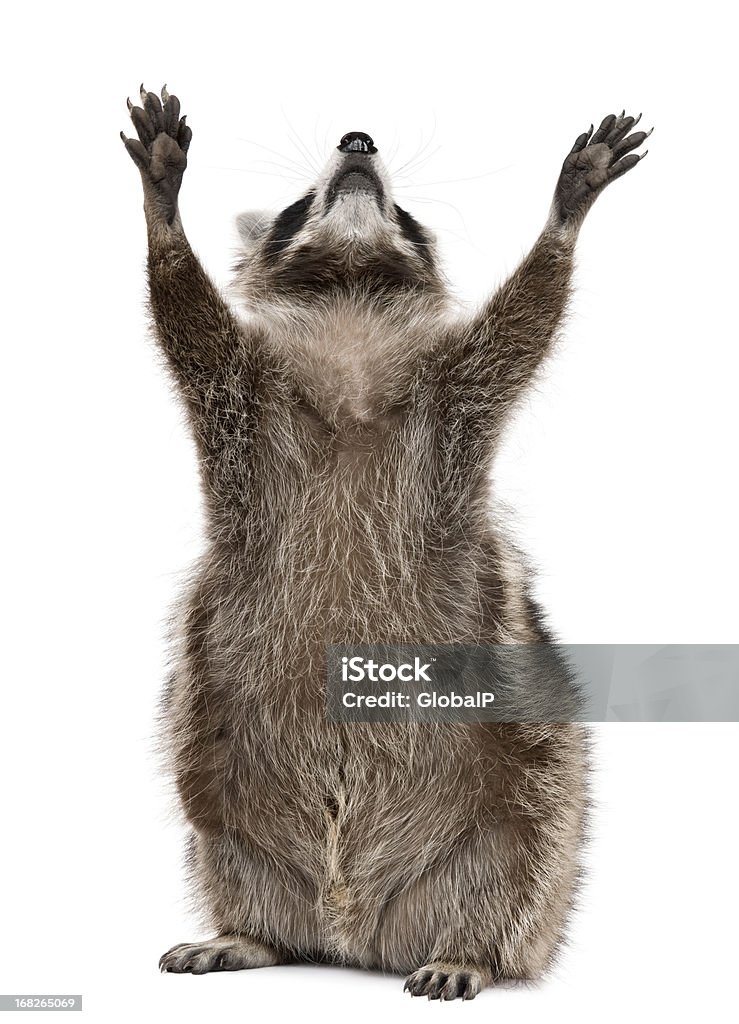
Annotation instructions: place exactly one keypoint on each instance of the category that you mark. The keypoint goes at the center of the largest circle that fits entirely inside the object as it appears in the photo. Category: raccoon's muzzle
(356, 174)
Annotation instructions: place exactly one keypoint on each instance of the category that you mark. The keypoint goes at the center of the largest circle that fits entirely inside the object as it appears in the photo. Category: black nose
(357, 142)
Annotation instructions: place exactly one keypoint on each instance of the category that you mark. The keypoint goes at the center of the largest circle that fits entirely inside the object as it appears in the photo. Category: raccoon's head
(346, 232)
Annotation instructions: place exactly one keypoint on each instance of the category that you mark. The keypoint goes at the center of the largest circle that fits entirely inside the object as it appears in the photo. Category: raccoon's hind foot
(160, 152)
(447, 981)
(223, 953)
(594, 162)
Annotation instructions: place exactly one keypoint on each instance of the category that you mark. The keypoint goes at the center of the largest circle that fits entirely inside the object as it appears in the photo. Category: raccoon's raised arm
(488, 360)
(216, 361)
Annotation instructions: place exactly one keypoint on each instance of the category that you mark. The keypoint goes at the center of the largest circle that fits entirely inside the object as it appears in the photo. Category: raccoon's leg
(218, 363)
(263, 909)
(491, 917)
(494, 902)
(479, 368)
(223, 953)
(495, 909)
(194, 326)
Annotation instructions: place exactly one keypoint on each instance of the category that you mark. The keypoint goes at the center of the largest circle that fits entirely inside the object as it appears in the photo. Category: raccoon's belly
(248, 729)
(247, 708)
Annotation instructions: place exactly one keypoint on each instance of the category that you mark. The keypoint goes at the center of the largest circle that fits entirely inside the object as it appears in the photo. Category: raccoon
(345, 425)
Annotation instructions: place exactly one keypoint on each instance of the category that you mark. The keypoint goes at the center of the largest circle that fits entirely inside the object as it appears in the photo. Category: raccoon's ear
(252, 225)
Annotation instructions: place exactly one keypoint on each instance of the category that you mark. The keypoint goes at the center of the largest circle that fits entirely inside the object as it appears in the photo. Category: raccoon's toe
(224, 953)
(445, 982)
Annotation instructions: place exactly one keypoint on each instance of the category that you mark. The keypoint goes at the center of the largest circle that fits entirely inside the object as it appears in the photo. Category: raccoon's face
(346, 231)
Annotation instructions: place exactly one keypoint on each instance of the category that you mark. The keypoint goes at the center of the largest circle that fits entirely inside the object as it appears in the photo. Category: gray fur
(345, 427)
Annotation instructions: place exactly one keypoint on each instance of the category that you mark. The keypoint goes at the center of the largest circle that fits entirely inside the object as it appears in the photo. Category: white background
(620, 468)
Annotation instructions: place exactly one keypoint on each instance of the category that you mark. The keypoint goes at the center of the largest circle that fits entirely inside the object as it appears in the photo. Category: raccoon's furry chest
(350, 556)
(351, 356)
(346, 539)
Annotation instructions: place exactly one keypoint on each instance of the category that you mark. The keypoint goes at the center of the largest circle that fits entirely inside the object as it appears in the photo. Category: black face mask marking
(413, 231)
(382, 266)
(287, 225)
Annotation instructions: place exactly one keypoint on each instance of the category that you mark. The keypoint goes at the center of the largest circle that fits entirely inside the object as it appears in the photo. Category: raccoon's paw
(224, 953)
(446, 981)
(593, 163)
(160, 152)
